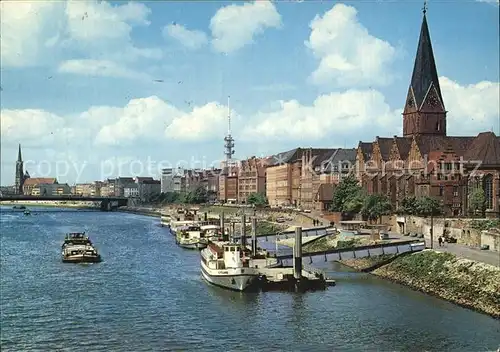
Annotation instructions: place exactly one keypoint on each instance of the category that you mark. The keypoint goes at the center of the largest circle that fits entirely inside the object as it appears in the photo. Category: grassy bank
(461, 281)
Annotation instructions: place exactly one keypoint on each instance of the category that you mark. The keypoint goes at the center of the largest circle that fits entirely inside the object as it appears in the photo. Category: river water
(147, 295)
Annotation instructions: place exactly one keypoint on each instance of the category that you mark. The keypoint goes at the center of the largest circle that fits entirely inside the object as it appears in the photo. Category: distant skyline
(87, 84)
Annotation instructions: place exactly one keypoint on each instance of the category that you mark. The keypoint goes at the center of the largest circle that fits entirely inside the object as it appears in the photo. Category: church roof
(404, 146)
(424, 71)
(486, 148)
(385, 145)
(366, 149)
(39, 180)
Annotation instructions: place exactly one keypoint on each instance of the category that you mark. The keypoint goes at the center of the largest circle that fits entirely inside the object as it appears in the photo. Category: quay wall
(463, 230)
(461, 281)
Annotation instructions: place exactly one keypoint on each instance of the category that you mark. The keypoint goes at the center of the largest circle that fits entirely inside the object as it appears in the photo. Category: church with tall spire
(425, 160)
(21, 176)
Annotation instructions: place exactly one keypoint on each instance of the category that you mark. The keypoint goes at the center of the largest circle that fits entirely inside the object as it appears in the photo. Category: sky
(96, 89)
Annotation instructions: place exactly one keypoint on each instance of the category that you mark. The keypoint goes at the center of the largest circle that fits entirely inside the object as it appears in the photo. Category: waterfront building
(425, 161)
(83, 189)
(321, 170)
(282, 172)
(148, 189)
(48, 188)
(121, 183)
(108, 188)
(131, 191)
(228, 185)
(172, 180)
(251, 178)
(95, 188)
(35, 182)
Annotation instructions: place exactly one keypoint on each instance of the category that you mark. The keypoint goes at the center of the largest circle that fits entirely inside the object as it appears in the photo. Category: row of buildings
(144, 189)
(424, 161)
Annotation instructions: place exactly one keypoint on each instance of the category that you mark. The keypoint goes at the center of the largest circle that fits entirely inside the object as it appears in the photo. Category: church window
(488, 191)
(438, 126)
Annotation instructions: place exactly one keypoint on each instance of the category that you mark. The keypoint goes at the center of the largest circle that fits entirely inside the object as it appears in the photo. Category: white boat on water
(190, 237)
(176, 225)
(225, 264)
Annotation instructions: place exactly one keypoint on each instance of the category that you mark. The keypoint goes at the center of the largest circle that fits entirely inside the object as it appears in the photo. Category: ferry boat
(190, 237)
(21, 207)
(224, 267)
(175, 226)
(78, 248)
(27, 212)
(227, 265)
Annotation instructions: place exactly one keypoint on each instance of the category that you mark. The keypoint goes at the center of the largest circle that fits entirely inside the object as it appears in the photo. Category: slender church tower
(19, 173)
(424, 112)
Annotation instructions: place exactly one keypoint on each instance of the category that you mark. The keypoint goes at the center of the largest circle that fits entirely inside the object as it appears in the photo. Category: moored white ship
(224, 266)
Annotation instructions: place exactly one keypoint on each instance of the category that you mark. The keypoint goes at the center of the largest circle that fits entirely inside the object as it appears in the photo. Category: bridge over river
(107, 203)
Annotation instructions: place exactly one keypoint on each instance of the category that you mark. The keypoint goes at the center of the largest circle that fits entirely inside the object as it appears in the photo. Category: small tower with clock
(424, 112)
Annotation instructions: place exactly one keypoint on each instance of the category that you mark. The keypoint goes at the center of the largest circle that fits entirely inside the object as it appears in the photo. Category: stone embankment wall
(459, 229)
(460, 281)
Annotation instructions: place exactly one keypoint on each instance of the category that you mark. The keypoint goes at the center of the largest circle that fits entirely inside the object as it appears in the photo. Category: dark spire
(19, 157)
(424, 71)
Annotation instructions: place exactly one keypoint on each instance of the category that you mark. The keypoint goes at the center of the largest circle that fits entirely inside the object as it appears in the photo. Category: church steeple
(19, 181)
(424, 112)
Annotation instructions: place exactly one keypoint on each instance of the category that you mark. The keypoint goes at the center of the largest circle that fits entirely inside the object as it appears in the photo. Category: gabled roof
(486, 148)
(404, 145)
(282, 158)
(366, 149)
(332, 158)
(385, 145)
(424, 70)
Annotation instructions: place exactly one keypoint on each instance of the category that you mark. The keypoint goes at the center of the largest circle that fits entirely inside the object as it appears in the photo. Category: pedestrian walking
(440, 240)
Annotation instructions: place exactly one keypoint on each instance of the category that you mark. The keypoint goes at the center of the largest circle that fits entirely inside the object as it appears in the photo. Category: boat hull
(82, 259)
(197, 245)
(236, 282)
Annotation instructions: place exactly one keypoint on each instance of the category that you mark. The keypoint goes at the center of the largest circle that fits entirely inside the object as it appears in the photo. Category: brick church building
(425, 161)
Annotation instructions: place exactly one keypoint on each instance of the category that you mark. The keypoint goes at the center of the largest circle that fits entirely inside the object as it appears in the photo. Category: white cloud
(191, 39)
(41, 124)
(29, 30)
(472, 108)
(37, 32)
(493, 2)
(330, 115)
(349, 55)
(101, 68)
(235, 26)
(203, 122)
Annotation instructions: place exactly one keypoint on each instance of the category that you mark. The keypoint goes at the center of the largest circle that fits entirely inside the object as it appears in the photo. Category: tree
(257, 199)
(477, 200)
(408, 206)
(428, 206)
(346, 195)
(375, 206)
(197, 196)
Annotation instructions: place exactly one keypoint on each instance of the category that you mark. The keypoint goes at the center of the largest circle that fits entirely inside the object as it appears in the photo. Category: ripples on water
(147, 295)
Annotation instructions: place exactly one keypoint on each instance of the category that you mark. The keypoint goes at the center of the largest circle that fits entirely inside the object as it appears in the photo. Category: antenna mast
(229, 141)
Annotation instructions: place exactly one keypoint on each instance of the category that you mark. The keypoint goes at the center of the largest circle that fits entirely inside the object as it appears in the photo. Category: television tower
(229, 141)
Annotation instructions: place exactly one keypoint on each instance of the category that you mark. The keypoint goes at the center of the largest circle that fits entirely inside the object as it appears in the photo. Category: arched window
(488, 191)
(438, 126)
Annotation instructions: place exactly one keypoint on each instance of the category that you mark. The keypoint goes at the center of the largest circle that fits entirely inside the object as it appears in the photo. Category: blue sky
(80, 91)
